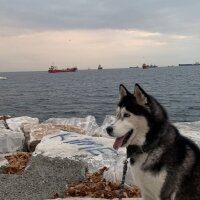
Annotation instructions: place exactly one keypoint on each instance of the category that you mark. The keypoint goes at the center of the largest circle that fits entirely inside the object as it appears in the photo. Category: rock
(95, 151)
(42, 179)
(11, 141)
(35, 132)
(190, 130)
(16, 123)
(115, 172)
(2, 124)
(101, 131)
(88, 123)
(3, 163)
(88, 198)
(4, 117)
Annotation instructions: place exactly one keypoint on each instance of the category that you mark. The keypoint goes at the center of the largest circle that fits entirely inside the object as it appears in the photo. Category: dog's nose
(109, 129)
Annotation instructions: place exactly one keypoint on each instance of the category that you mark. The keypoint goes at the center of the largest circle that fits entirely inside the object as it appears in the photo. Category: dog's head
(138, 116)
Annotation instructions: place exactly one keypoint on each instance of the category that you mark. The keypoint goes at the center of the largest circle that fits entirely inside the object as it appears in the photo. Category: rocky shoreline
(63, 149)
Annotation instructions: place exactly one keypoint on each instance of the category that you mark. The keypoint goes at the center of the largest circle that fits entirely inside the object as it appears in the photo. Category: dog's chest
(149, 183)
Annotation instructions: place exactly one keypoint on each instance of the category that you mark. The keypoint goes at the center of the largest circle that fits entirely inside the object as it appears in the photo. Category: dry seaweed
(96, 186)
(17, 162)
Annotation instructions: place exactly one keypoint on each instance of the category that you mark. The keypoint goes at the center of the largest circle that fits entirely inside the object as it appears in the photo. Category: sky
(86, 33)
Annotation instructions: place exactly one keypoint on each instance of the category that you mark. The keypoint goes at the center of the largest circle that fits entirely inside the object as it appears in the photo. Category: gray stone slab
(87, 198)
(11, 141)
(2, 124)
(3, 162)
(43, 178)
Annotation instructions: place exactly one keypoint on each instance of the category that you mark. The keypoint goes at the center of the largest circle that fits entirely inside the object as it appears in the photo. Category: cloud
(85, 33)
(161, 16)
(88, 48)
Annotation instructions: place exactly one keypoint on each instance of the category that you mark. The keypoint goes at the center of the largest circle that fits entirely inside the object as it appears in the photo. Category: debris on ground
(4, 117)
(17, 162)
(71, 128)
(95, 186)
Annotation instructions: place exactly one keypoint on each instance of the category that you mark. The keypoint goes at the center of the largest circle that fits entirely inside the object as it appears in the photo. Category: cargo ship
(145, 66)
(194, 64)
(54, 69)
(100, 67)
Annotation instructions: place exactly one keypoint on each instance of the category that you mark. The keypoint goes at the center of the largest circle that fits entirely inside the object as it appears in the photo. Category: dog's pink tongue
(118, 143)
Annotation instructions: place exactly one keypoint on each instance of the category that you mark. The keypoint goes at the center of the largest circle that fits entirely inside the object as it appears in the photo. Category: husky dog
(165, 164)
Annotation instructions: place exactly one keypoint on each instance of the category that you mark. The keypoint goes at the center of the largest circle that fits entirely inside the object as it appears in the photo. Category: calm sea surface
(95, 92)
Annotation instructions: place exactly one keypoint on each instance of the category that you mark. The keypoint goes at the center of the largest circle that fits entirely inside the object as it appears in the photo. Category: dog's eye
(126, 115)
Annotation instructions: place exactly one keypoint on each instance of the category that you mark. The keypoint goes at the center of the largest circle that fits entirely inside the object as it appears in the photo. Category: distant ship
(194, 64)
(100, 67)
(145, 66)
(3, 78)
(54, 69)
(134, 67)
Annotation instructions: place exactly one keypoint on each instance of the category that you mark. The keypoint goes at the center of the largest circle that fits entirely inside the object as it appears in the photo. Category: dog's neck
(133, 150)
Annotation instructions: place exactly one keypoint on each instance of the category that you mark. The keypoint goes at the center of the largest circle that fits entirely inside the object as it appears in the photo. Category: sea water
(95, 92)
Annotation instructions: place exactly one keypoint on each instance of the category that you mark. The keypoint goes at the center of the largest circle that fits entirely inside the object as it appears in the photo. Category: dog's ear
(122, 91)
(140, 95)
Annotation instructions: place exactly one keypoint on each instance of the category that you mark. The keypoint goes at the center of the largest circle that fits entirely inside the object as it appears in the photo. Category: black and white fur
(165, 164)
